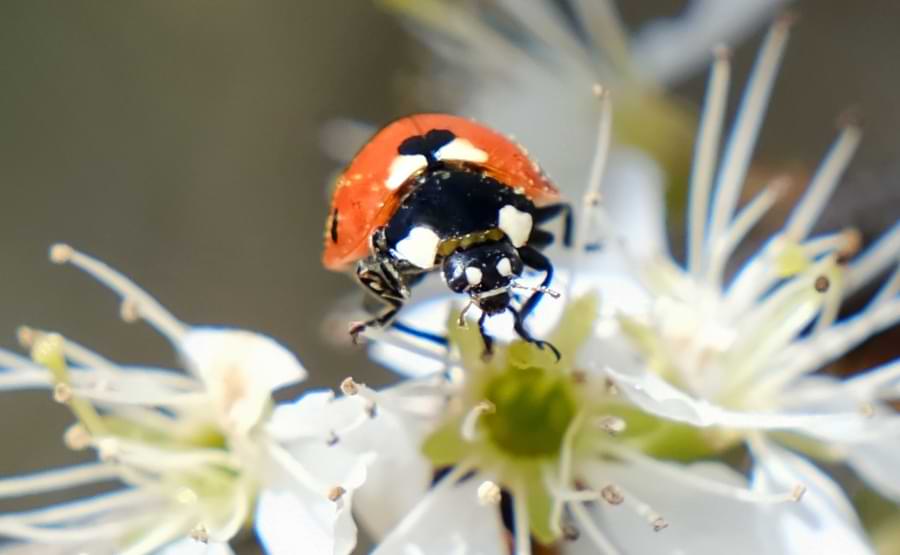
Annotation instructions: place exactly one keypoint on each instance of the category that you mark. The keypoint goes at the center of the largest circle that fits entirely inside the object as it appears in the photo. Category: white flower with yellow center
(465, 443)
(196, 456)
(739, 358)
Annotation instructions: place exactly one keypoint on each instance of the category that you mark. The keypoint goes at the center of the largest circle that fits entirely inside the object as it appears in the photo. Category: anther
(335, 493)
(852, 243)
(332, 439)
(489, 493)
(25, 335)
(593, 199)
(77, 438)
(129, 311)
(722, 52)
(798, 492)
(569, 532)
(598, 90)
(612, 425)
(200, 534)
(659, 523)
(60, 253)
(62, 393)
(822, 284)
(108, 450)
(612, 495)
(349, 387)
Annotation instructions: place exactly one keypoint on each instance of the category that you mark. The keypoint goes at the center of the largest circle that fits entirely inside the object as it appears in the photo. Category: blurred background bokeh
(180, 142)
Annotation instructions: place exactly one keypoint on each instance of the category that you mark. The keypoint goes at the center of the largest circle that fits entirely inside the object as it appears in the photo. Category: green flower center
(533, 410)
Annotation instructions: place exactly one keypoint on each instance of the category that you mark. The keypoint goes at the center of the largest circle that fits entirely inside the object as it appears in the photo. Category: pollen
(489, 493)
(349, 387)
(336, 493)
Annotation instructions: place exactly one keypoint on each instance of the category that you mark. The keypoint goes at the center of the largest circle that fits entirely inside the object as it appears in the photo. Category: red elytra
(364, 202)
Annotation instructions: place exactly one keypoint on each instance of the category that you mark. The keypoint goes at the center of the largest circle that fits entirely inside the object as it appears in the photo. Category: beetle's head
(486, 272)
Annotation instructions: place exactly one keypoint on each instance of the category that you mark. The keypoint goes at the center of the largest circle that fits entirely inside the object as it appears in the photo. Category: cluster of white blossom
(688, 412)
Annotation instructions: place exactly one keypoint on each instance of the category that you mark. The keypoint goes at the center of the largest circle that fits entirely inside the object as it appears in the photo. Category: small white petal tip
(61, 253)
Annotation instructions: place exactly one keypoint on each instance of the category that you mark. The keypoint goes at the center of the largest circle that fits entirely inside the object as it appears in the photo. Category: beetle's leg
(421, 334)
(540, 238)
(546, 213)
(535, 259)
(386, 288)
(519, 326)
(488, 340)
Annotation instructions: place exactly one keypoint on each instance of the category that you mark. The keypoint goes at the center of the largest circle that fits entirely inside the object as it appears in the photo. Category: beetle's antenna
(540, 289)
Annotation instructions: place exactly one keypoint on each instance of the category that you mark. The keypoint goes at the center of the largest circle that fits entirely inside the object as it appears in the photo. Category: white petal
(877, 463)
(398, 477)
(289, 523)
(189, 546)
(823, 520)
(454, 524)
(318, 415)
(634, 199)
(240, 370)
(672, 49)
(655, 395)
(699, 523)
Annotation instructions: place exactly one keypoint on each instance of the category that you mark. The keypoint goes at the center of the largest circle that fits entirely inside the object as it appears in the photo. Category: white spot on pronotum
(504, 267)
(515, 224)
(461, 149)
(402, 168)
(473, 275)
(419, 247)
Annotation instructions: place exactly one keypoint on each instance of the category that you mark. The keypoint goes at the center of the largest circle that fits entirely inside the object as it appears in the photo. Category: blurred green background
(180, 142)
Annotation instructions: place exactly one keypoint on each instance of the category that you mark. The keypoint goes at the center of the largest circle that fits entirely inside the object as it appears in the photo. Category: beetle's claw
(546, 344)
(356, 329)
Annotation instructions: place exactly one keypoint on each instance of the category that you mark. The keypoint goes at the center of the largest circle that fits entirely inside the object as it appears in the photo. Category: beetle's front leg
(374, 277)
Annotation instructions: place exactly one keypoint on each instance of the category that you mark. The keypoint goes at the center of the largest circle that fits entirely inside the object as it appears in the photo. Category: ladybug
(436, 192)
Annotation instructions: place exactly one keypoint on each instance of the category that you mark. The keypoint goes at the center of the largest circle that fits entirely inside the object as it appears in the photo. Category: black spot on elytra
(334, 224)
(426, 145)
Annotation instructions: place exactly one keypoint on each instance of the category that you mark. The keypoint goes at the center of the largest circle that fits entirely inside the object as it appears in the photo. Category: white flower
(740, 357)
(196, 456)
(557, 448)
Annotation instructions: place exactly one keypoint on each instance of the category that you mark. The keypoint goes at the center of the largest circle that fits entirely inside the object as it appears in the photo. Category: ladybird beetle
(435, 192)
